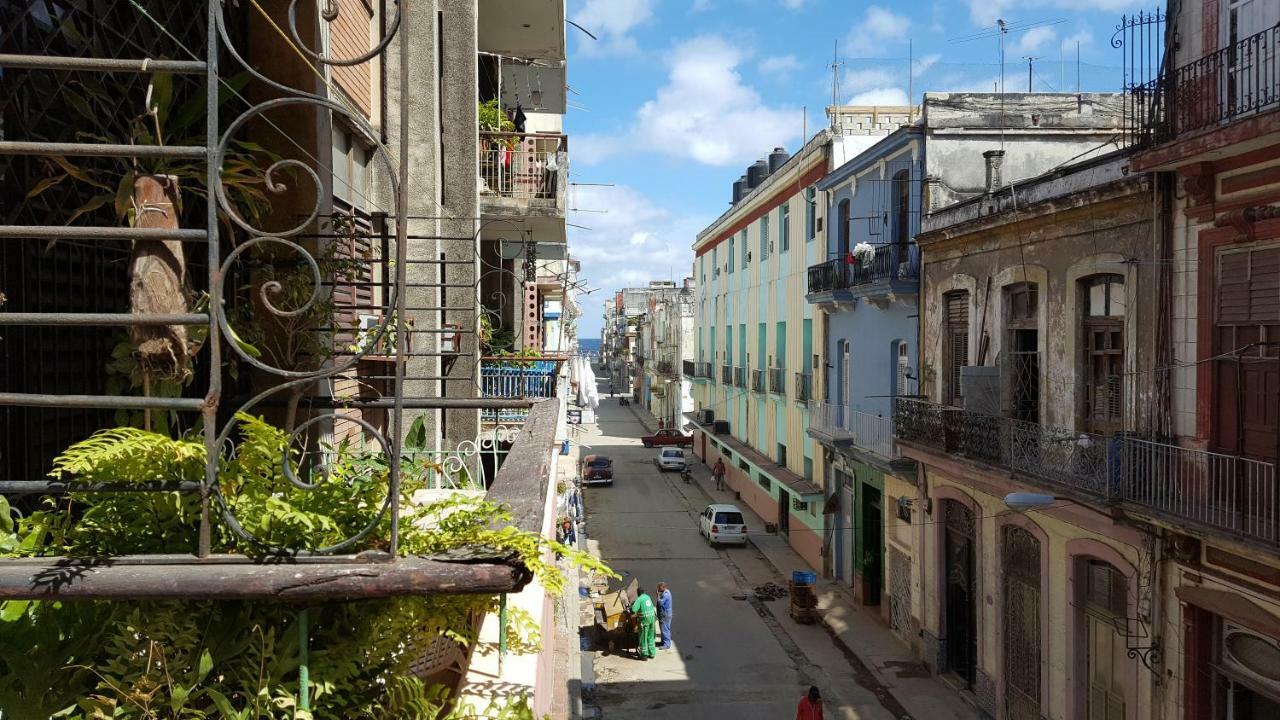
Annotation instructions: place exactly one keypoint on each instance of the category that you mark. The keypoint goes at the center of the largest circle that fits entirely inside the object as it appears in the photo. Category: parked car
(596, 470)
(670, 459)
(723, 524)
(667, 436)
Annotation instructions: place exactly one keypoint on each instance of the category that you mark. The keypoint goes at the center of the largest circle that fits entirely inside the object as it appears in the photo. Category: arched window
(1021, 361)
(1104, 610)
(1103, 348)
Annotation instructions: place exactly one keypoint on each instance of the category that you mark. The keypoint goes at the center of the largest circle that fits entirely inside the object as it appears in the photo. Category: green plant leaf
(416, 438)
(79, 173)
(45, 184)
(124, 195)
(12, 610)
(94, 203)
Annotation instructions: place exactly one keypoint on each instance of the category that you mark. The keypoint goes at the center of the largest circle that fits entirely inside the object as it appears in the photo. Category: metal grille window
(902, 207)
(956, 349)
(1022, 657)
(1103, 328)
(1021, 364)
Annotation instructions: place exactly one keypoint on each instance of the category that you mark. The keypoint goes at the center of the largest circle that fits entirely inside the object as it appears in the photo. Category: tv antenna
(836, 64)
(1030, 61)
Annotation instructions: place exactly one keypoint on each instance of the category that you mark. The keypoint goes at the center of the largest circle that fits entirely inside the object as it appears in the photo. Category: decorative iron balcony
(726, 374)
(522, 171)
(740, 376)
(1229, 494)
(804, 387)
(757, 381)
(665, 367)
(501, 378)
(1233, 82)
(688, 369)
(892, 267)
(702, 370)
(778, 381)
(841, 425)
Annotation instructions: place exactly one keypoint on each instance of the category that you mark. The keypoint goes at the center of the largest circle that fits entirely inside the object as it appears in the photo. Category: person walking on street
(717, 472)
(644, 609)
(664, 614)
(810, 707)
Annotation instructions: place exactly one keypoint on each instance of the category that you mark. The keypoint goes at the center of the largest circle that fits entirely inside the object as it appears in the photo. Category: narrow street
(735, 656)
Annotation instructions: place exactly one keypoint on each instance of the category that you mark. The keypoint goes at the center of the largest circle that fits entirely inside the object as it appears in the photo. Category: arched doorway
(960, 604)
(1020, 559)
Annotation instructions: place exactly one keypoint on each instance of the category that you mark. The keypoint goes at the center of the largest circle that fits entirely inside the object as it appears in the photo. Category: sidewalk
(858, 632)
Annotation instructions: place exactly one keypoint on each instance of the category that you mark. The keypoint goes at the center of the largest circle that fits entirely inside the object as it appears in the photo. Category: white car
(723, 524)
(670, 458)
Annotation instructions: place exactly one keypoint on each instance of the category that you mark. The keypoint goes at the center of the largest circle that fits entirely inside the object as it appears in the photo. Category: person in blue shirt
(664, 614)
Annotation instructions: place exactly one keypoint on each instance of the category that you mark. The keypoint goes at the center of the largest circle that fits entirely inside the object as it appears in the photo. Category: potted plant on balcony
(863, 254)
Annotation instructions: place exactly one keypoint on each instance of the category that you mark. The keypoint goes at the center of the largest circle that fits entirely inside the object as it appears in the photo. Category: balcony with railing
(841, 426)
(757, 381)
(1227, 494)
(804, 387)
(687, 368)
(666, 367)
(778, 381)
(740, 377)
(726, 374)
(523, 173)
(1239, 81)
(890, 269)
(516, 378)
(702, 370)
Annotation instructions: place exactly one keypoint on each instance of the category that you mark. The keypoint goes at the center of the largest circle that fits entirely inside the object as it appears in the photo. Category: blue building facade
(868, 286)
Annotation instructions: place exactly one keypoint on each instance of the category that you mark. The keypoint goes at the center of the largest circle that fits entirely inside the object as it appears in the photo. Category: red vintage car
(667, 436)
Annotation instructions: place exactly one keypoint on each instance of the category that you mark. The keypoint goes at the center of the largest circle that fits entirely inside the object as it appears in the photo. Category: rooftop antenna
(1004, 30)
(1030, 59)
(836, 64)
(911, 76)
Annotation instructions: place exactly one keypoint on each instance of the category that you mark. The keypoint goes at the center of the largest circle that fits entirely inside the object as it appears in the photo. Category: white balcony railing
(873, 433)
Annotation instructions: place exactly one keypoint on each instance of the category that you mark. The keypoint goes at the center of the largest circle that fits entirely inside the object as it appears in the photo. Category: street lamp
(1028, 501)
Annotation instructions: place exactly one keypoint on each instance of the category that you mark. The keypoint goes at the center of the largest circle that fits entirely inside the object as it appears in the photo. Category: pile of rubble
(770, 591)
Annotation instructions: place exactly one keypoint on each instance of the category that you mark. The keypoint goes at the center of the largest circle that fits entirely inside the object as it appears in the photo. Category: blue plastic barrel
(804, 577)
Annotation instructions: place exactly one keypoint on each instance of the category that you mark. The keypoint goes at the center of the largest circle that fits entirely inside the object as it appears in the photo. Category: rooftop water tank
(756, 174)
(739, 189)
(777, 159)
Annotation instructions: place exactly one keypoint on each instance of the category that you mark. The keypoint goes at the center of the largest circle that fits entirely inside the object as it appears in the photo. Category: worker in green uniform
(644, 608)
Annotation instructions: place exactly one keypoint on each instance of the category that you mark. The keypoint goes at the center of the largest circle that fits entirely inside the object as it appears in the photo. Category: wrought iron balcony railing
(1230, 494)
(518, 378)
(726, 374)
(702, 370)
(740, 376)
(778, 381)
(889, 263)
(757, 381)
(841, 424)
(804, 387)
(531, 168)
(687, 368)
(1233, 82)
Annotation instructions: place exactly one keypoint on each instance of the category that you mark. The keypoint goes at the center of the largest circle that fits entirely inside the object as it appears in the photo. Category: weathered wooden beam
(523, 481)
(105, 579)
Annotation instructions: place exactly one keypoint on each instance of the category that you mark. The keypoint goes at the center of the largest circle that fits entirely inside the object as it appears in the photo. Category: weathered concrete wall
(1054, 244)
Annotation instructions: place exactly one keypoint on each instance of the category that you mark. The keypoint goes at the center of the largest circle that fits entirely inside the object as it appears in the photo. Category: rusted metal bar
(105, 579)
(170, 152)
(79, 232)
(51, 62)
(101, 319)
(100, 401)
(54, 487)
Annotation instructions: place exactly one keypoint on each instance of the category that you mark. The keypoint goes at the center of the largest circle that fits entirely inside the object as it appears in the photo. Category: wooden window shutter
(1249, 287)
(957, 329)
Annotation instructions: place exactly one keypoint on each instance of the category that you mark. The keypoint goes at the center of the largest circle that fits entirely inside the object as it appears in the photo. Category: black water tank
(756, 174)
(739, 189)
(777, 159)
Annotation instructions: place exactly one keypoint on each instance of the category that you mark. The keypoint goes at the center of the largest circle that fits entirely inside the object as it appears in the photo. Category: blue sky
(677, 97)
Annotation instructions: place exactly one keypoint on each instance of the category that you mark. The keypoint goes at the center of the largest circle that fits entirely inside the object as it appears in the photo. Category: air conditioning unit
(720, 427)
(1255, 657)
(706, 416)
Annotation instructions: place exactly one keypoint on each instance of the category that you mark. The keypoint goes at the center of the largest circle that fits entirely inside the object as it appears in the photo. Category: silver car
(670, 458)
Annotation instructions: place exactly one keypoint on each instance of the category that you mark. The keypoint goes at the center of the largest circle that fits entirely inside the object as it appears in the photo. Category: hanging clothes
(518, 118)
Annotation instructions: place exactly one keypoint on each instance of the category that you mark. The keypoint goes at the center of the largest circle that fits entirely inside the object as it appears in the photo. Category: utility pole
(1030, 60)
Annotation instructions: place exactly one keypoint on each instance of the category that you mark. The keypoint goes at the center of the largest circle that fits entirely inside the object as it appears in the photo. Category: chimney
(995, 179)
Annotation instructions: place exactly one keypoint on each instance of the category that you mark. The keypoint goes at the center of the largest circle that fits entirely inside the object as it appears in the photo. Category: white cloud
(858, 80)
(779, 65)
(594, 148)
(877, 27)
(1032, 40)
(1084, 37)
(706, 113)
(923, 63)
(793, 4)
(634, 242)
(611, 21)
(881, 96)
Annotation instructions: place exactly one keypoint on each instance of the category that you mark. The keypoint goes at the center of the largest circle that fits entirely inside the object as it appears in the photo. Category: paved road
(734, 658)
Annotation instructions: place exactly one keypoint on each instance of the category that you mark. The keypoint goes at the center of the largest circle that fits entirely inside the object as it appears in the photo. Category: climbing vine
(169, 659)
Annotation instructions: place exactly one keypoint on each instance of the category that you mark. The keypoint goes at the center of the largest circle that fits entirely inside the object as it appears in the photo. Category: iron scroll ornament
(259, 237)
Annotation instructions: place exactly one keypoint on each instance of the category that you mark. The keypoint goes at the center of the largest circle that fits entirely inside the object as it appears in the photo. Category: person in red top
(810, 707)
